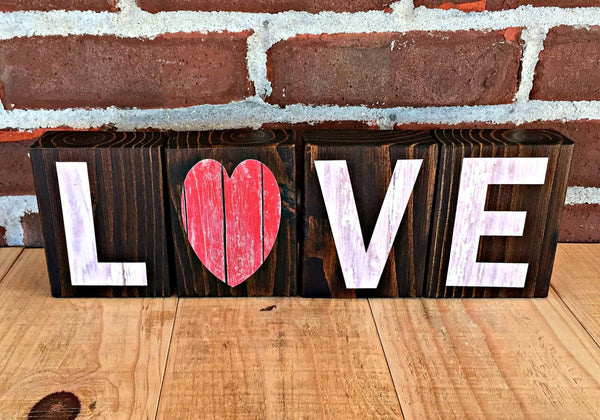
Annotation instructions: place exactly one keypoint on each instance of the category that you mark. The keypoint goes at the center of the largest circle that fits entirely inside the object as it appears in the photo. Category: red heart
(231, 223)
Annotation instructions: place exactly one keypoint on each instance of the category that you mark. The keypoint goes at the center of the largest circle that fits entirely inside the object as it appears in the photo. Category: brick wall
(203, 64)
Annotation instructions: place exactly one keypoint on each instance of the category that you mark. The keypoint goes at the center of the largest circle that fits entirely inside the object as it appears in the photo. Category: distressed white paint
(13, 207)
(76, 204)
(472, 221)
(362, 269)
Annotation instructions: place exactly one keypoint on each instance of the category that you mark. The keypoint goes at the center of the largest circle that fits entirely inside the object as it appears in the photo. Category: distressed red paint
(231, 222)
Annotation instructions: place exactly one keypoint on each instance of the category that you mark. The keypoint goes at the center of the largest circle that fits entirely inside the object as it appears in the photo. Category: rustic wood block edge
(125, 176)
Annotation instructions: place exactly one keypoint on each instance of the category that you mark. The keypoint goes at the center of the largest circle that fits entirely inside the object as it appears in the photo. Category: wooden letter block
(499, 197)
(101, 198)
(368, 200)
(232, 198)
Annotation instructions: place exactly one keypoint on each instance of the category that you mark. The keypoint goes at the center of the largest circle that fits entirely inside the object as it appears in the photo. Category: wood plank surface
(105, 356)
(8, 256)
(489, 358)
(576, 279)
(276, 358)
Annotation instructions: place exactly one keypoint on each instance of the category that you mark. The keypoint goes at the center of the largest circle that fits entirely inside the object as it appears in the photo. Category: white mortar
(12, 208)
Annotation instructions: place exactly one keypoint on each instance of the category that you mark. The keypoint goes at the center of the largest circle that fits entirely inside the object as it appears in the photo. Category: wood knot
(56, 406)
(268, 308)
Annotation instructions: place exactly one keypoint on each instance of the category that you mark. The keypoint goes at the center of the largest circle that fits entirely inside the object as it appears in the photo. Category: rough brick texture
(95, 5)
(580, 223)
(479, 5)
(91, 71)
(32, 230)
(16, 177)
(16, 135)
(264, 6)
(585, 167)
(386, 70)
(569, 66)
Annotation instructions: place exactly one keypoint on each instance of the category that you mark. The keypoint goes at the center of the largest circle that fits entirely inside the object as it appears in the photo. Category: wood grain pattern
(576, 279)
(126, 185)
(276, 358)
(543, 204)
(109, 354)
(472, 358)
(276, 150)
(370, 158)
(231, 222)
(8, 256)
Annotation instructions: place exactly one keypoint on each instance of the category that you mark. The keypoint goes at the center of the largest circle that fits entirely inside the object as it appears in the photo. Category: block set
(442, 213)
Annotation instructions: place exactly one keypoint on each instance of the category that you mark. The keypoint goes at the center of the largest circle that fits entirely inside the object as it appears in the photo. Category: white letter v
(361, 269)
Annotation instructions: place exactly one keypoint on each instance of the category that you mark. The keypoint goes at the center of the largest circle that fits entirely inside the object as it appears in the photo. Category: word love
(442, 213)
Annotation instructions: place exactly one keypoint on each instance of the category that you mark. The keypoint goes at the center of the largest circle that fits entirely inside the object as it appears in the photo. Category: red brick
(580, 223)
(32, 230)
(479, 5)
(45, 5)
(16, 135)
(176, 70)
(585, 167)
(386, 70)
(264, 6)
(16, 177)
(568, 67)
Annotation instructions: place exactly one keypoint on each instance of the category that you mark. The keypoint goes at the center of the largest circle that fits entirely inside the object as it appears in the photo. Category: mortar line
(133, 22)
(253, 113)
(533, 39)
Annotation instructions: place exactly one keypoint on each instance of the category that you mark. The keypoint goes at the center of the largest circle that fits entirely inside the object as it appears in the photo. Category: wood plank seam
(574, 315)
(385, 356)
(162, 380)
(12, 265)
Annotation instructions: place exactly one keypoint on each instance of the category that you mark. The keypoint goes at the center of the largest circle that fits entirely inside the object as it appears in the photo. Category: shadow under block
(543, 204)
(225, 202)
(371, 159)
(125, 181)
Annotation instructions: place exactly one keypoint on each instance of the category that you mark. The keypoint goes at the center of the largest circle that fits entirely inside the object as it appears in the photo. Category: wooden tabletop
(276, 358)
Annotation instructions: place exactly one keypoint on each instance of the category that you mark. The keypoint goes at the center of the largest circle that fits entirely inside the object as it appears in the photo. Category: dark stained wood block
(371, 158)
(232, 236)
(124, 189)
(542, 202)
